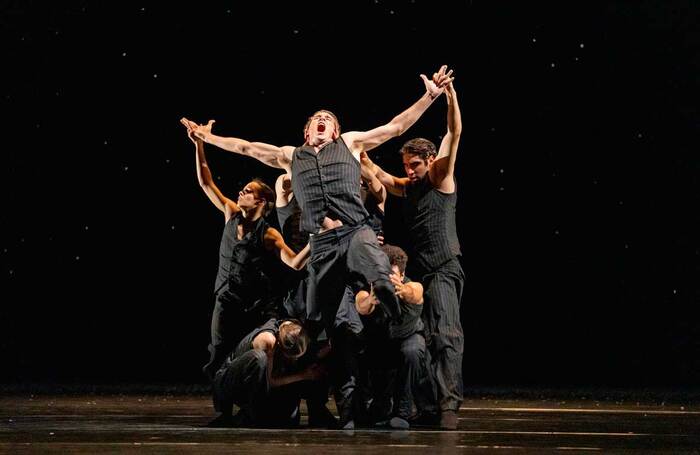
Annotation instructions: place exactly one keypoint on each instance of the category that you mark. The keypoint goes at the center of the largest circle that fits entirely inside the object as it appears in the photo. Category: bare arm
(362, 141)
(271, 155)
(376, 189)
(283, 190)
(275, 242)
(312, 372)
(394, 185)
(442, 169)
(411, 292)
(206, 181)
(365, 302)
(267, 342)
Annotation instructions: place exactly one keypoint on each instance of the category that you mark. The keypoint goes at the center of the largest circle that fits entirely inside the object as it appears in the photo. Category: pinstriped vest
(432, 225)
(327, 183)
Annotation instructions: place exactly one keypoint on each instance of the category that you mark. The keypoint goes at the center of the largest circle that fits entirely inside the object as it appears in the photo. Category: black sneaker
(221, 421)
(240, 420)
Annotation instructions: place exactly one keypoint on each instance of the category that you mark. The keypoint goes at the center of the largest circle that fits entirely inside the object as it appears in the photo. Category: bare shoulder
(264, 341)
(230, 209)
(351, 140)
(349, 136)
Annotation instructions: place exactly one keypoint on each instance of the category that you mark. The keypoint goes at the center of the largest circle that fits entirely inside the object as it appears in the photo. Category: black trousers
(346, 256)
(400, 377)
(231, 320)
(345, 259)
(443, 330)
(244, 382)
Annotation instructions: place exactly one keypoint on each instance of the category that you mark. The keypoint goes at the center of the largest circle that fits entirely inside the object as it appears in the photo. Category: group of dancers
(345, 318)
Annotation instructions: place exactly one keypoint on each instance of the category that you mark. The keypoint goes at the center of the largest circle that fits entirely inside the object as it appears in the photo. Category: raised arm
(375, 187)
(362, 141)
(443, 168)
(394, 185)
(283, 190)
(275, 242)
(277, 157)
(206, 181)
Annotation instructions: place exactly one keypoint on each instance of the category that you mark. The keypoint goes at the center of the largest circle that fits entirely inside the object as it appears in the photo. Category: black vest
(242, 262)
(430, 215)
(411, 321)
(327, 183)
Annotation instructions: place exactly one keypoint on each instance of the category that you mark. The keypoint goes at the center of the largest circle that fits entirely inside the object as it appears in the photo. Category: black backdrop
(577, 172)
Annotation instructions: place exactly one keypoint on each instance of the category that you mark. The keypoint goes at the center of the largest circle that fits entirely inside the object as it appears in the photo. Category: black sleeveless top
(242, 262)
(327, 183)
(289, 217)
(411, 321)
(432, 227)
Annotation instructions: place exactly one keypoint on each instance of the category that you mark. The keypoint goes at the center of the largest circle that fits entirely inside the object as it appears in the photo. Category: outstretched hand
(190, 131)
(436, 86)
(196, 131)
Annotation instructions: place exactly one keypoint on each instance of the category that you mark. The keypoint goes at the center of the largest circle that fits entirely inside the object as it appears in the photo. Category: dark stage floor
(174, 423)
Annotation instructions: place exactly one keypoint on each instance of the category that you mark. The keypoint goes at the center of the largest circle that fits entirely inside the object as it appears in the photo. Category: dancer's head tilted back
(257, 195)
(321, 127)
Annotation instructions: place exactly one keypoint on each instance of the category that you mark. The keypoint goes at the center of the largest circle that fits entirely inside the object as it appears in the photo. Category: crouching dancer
(401, 384)
(266, 376)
